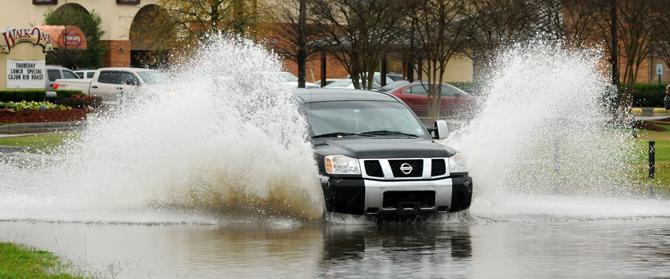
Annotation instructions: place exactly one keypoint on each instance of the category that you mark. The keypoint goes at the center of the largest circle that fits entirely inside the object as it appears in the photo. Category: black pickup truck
(375, 157)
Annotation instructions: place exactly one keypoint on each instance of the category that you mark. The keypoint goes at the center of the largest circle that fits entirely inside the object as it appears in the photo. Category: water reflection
(396, 251)
(534, 248)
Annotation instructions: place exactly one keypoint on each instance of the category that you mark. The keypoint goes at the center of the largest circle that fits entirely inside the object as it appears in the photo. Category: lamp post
(615, 46)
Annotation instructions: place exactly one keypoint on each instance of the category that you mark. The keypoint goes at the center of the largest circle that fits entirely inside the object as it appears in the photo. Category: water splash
(224, 137)
(545, 132)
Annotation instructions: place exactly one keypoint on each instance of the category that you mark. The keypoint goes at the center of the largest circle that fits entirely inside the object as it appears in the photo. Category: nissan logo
(406, 168)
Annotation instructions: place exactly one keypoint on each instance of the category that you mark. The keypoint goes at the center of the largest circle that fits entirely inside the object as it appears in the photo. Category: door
(52, 75)
(112, 84)
(453, 100)
(416, 97)
(107, 86)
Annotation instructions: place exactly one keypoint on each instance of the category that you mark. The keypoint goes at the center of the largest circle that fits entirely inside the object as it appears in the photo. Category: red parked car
(455, 102)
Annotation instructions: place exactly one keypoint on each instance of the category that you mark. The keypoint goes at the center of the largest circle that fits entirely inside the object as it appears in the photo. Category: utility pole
(615, 45)
(302, 48)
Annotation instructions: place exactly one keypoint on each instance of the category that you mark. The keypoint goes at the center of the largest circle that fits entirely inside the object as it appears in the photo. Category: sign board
(35, 36)
(26, 74)
(659, 69)
(45, 2)
(128, 2)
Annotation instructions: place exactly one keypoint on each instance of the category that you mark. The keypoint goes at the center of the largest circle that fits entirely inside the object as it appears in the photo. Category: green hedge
(18, 95)
(67, 93)
(648, 95)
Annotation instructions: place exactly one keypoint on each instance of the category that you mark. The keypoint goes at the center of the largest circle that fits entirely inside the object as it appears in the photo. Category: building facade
(118, 17)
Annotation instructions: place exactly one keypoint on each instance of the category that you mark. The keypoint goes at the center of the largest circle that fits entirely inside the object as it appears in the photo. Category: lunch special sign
(26, 74)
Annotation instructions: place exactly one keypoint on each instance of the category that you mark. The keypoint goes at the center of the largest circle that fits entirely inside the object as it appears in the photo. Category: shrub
(648, 95)
(67, 93)
(18, 95)
(23, 105)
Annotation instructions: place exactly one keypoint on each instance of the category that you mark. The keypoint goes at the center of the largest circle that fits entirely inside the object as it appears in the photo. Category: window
(128, 78)
(419, 90)
(53, 74)
(452, 91)
(69, 74)
(153, 77)
(111, 77)
(90, 74)
(362, 116)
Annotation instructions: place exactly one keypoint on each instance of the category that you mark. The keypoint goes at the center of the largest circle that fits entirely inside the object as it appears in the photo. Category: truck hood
(367, 148)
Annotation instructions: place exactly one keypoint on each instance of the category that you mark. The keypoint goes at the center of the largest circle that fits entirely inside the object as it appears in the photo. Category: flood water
(146, 191)
(480, 248)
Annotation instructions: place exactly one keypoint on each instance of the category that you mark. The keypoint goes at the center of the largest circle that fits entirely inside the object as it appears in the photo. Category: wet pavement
(481, 248)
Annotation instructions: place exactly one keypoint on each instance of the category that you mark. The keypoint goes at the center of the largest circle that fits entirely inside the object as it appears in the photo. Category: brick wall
(334, 68)
(118, 53)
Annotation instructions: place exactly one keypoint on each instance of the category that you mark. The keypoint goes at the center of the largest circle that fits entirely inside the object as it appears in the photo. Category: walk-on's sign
(11, 37)
(23, 69)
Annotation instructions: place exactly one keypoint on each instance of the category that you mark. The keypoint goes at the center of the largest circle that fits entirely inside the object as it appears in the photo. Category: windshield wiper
(387, 132)
(335, 134)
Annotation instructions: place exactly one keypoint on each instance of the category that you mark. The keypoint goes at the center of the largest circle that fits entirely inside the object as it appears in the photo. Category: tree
(496, 23)
(196, 19)
(440, 32)
(90, 25)
(296, 35)
(360, 32)
(570, 21)
(637, 24)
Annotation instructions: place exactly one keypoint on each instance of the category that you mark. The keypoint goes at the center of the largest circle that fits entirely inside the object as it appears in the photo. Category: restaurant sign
(45, 2)
(11, 37)
(26, 74)
(128, 2)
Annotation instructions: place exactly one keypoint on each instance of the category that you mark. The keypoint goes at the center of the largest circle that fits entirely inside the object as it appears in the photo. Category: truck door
(107, 86)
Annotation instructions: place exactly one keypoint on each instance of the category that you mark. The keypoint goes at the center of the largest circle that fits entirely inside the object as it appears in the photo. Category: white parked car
(111, 83)
(57, 72)
(85, 73)
(348, 84)
(291, 80)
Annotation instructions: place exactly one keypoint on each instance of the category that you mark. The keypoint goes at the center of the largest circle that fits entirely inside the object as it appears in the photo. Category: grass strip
(17, 261)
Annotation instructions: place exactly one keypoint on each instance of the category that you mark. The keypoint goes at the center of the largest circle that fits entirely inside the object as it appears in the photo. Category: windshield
(340, 84)
(288, 77)
(152, 77)
(369, 118)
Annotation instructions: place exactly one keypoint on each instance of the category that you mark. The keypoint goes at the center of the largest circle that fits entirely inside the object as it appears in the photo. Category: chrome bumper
(374, 194)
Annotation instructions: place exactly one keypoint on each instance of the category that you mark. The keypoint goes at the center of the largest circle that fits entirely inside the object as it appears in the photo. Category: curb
(640, 110)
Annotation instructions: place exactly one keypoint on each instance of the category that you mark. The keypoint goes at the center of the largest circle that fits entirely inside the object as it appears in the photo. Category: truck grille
(406, 168)
(374, 168)
(438, 167)
(404, 199)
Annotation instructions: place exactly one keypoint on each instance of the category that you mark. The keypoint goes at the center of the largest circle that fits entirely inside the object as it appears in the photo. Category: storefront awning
(65, 37)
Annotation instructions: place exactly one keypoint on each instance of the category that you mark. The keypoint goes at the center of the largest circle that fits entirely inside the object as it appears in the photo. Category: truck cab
(375, 157)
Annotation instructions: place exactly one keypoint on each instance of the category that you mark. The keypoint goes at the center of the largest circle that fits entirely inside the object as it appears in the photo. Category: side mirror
(130, 82)
(441, 129)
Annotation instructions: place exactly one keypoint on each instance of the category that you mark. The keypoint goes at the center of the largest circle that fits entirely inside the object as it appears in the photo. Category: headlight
(338, 164)
(457, 164)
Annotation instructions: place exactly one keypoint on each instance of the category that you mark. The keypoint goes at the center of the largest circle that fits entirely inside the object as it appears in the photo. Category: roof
(125, 69)
(341, 94)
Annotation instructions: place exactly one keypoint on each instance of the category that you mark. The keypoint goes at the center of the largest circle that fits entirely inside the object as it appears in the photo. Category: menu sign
(45, 2)
(26, 74)
(128, 2)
